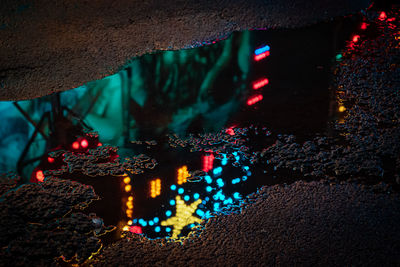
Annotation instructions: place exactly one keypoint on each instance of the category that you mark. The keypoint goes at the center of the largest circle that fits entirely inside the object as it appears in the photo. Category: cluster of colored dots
(183, 174)
(155, 188)
(260, 83)
(254, 100)
(208, 161)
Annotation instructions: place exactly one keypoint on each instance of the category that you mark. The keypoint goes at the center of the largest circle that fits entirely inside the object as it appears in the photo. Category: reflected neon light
(260, 83)
(261, 50)
(356, 38)
(208, 162)
(230, 131)
(183, 174)
(382, 15)
(254, 100)
(75, 145)
(136, 229)
(364, 26)
(155, 188)
(84, 143)
(40, 175)
(261, 56)
(183, 217)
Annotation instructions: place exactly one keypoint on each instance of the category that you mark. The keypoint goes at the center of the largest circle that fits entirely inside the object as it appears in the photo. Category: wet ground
(202, 154)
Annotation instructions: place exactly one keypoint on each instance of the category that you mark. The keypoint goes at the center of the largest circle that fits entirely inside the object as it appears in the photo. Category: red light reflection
(40, 176)
(364, 26)
(84, 143)
(136, 229)
(261, 56)
(356, 38)
(208, 162)
(382, 15)
(230, 131)
(260, 83)
(254, 100)
(75, 145)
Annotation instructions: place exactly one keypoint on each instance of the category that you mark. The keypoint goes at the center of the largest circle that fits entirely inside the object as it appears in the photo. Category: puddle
(244, 91)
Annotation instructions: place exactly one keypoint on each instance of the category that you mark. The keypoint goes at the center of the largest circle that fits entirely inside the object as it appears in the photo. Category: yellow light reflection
(127, 180)
(183, 174)
(155, 188)
(128, 188)
(342, 108)
(184, 216)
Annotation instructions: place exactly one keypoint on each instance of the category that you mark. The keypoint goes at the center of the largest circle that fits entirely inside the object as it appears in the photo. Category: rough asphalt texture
(49, 46)
(368, 144)
(36, 225)
(317, 223)
(303, 224)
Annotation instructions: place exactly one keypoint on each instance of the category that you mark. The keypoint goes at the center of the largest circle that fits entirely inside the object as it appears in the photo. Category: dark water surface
(203, 90)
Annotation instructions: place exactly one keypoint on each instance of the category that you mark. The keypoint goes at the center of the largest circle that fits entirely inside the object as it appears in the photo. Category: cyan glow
(196, 196)
(172, 202)
(236, 180)
(208, 188)
(261, 50)
(168, 213)
(151, 223)
(228, 201)
(244, 178)
(141, 221)
(186, 198)
(207, 199)
(246, 168)
(220, 183)
(216, 206)
(236, 195)
(156, 219)
(219, 195)
(208, 179)
(181, 190)
(200, 212)
(173, 187)
(224, 161)
(192, 225)
(217, 170)
(134, 221)
(248, 173)
(144, 223)
(167, 229)
(157, 229)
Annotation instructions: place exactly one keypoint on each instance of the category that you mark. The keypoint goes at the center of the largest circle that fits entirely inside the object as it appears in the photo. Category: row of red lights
(364, 25)
(254, 99)
(261, 56)
(260, 83)
(208, 162)
(79, 144)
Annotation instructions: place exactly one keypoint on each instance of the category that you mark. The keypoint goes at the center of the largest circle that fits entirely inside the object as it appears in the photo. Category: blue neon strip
(261, 50)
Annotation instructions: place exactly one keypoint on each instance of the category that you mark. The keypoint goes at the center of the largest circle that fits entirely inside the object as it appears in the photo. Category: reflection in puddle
(237, 91)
